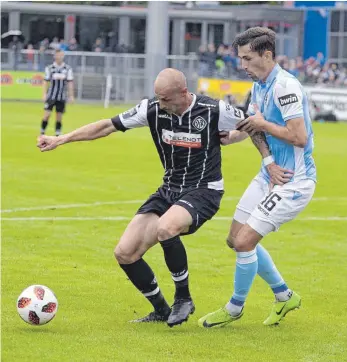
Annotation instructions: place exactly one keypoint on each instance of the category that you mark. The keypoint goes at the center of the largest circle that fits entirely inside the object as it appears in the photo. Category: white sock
(284, 296)
(234, 310)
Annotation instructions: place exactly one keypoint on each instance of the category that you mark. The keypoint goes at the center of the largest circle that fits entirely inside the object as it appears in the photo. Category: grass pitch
(55, 232)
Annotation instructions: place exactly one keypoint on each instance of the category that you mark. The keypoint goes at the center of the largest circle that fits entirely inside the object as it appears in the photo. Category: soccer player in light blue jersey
(279, 108)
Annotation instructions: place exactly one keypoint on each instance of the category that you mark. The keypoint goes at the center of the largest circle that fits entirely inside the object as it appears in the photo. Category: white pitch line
(70, 206)
(120, 202)
(122, 218)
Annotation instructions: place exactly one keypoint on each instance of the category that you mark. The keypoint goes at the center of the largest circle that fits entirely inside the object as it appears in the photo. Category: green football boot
(280, 309)
(217, 319)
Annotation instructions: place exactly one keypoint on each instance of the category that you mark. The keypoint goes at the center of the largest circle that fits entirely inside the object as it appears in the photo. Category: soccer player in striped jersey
(185, 129)
(57, 90)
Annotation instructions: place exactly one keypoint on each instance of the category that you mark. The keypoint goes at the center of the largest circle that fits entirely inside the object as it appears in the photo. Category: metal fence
(91, 69)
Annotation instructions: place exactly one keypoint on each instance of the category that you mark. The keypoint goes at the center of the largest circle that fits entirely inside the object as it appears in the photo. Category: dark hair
(260, 40)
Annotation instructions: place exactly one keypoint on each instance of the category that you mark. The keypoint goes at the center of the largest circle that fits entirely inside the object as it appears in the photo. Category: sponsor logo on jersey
(206, 104)
(238, 113)
(58, 76)
(199, 123)
(288, 99)
(189, 140)
(167, 116)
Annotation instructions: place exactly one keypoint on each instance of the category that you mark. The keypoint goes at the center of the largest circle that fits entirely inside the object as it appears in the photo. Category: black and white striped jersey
(188, 145)
(58, 76)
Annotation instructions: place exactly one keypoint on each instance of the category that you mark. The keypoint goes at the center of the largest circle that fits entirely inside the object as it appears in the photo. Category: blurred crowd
(217, 63)
(46, 48)
(223, 63)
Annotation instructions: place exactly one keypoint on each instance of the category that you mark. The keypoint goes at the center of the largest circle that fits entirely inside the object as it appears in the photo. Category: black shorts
(202, 204)
(59, 106)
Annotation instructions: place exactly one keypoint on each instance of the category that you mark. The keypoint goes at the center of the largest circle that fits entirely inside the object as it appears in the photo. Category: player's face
(254, 64)
(170, 101)
(59, 57)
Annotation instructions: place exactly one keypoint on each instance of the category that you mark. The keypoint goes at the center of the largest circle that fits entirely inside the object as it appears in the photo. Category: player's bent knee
(125, 257)
(241, 244)
(166, 231)
(230, 242)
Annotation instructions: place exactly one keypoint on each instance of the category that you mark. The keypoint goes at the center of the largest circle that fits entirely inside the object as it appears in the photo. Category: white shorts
(265, 211)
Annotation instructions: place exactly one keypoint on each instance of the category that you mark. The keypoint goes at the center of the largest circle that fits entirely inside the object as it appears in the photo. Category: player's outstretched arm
(88, 132)
(228, 138)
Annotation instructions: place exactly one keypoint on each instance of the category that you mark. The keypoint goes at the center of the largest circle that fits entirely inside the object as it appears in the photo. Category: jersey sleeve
(229, 116)
(133, 118)
(47, 74)
(288, 98)
(69, 75)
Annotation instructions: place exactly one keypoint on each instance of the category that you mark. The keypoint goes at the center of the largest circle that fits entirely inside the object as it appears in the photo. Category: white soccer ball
(37, 305)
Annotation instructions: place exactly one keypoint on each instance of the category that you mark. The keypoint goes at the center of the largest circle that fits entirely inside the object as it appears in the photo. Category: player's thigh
(175, 221)
(139, 236)
(202, 205)
(60, 107)
(254, 193)
(281, 205)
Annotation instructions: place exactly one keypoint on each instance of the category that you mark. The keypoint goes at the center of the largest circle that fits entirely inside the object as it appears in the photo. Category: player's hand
(278, 175)
(44, 97)
(71, 99)
(47, 143)
(253, 123)
(225, 138)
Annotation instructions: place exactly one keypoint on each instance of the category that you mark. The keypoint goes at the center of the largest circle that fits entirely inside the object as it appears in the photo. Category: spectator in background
(30, 57)
(292, 68)
(98, 46)
(203, 66)
(320, 59)
(15, 47)
(98, 61)
(73, 45)
(211, 58)
(227, 59)
(54, 44)
(63, 46)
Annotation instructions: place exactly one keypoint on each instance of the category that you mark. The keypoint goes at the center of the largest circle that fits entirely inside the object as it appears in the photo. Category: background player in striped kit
(59, 76)
(185, 130)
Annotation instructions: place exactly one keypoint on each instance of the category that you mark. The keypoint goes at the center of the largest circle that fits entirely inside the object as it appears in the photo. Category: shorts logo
(296, 195)
(187, 203)
(188, 140)
(288, 99)
(199, 123)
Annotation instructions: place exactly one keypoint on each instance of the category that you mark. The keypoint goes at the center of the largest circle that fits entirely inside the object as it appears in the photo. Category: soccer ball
(37, 305)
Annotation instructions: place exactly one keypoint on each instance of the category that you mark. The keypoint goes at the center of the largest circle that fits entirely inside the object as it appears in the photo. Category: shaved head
(171, 79)
(171, 90)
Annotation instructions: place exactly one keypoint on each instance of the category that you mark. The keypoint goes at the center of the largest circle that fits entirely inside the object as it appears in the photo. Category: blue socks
(246, 270)
(267, 270)
(248, 265)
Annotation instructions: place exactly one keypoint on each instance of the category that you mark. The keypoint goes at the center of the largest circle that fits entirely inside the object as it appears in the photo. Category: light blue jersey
(281, 98)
